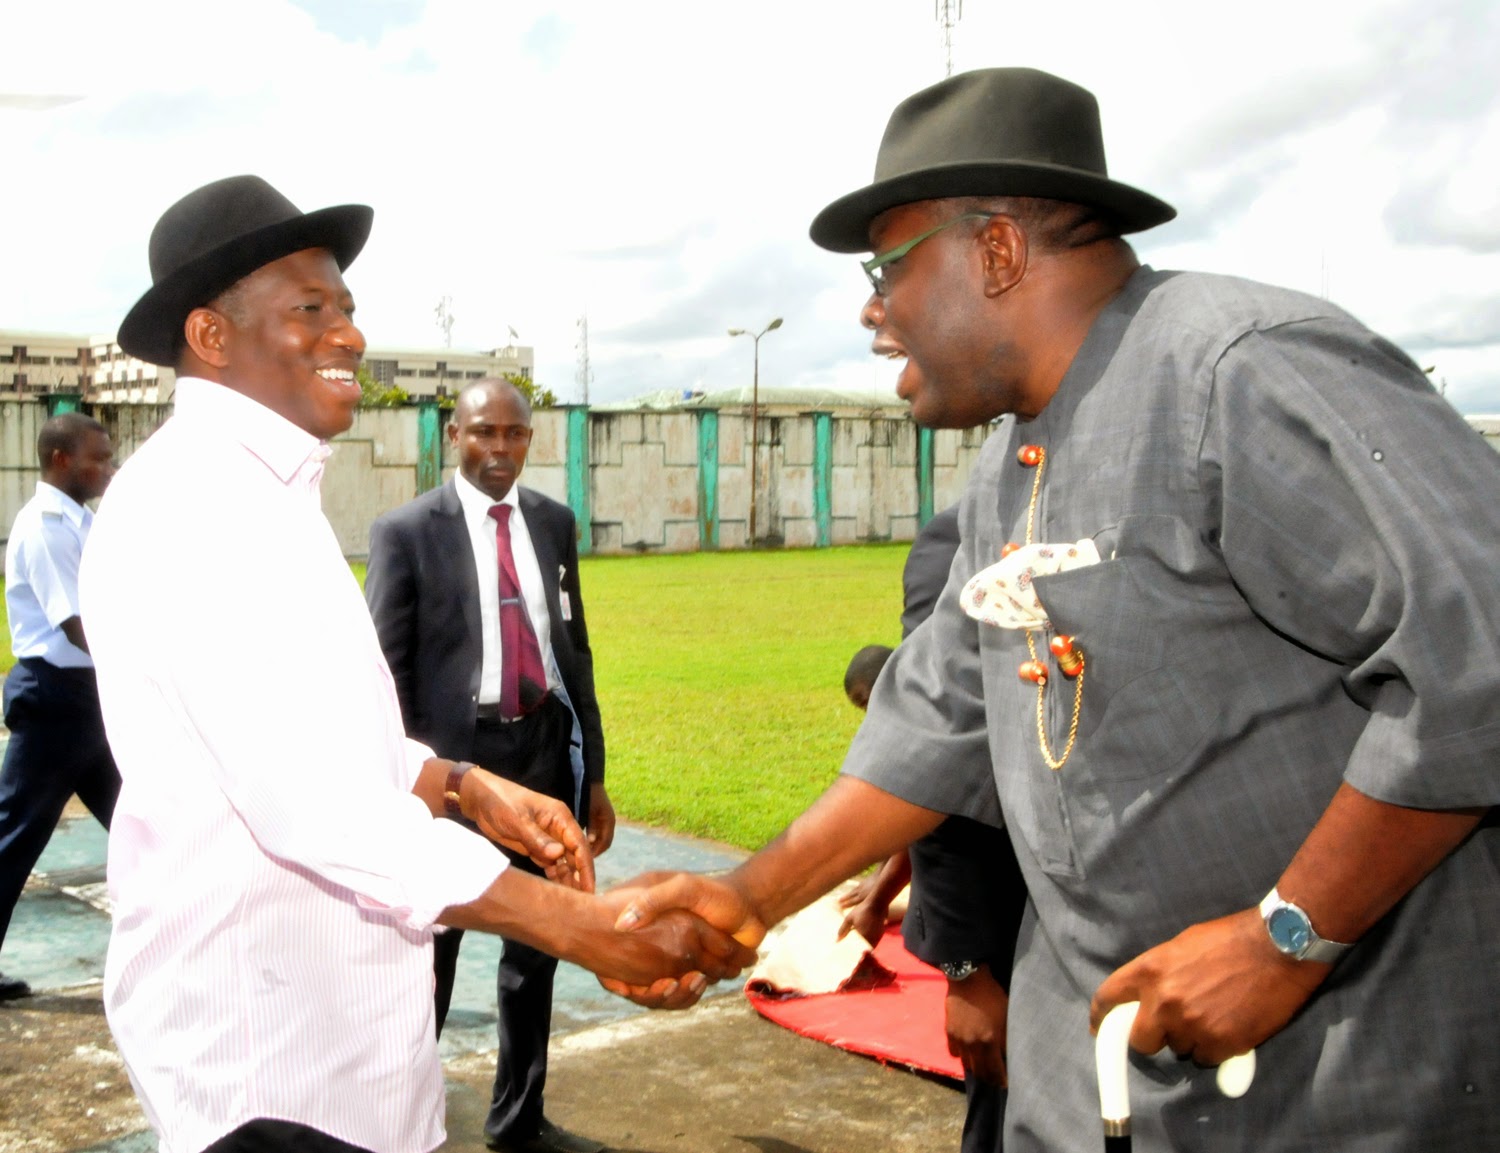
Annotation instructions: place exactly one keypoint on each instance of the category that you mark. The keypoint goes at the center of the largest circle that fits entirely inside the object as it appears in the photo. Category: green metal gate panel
(823, 477)
(924, 476)
(429, 445)
(578, 476)
(708, 479)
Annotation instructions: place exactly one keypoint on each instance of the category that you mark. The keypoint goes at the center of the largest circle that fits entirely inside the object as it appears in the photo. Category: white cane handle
(1111, 1057)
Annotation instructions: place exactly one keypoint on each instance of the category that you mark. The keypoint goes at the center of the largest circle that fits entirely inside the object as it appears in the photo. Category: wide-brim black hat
(993, 132)
(220, 234)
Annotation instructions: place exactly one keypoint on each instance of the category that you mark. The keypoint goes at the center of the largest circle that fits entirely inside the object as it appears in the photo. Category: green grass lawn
(720, 677)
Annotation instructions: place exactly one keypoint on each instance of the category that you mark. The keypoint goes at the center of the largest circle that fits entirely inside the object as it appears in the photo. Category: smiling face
(491, 428)
(290, 343)
(938, 319)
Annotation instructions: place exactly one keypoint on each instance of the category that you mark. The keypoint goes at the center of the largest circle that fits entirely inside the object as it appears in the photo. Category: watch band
(1292, 933)
(452, 787)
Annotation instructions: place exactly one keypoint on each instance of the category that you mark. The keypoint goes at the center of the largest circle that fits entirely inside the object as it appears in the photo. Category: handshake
(677, 933)
(659, 940)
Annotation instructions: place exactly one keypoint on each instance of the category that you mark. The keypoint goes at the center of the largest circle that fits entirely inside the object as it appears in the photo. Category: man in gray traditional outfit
(1248, 760)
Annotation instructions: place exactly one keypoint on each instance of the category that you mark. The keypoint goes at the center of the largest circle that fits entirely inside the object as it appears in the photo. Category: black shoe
(13, 988)
(549, 1138)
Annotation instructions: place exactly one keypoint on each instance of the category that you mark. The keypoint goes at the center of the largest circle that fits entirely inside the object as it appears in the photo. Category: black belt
(491, 712)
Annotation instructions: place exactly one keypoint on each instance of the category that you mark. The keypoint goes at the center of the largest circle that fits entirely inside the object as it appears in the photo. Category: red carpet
(900, 1022)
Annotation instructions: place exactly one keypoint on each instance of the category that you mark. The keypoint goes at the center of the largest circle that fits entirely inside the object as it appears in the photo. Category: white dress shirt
(481, 527)
(274, 880)
(41, 576)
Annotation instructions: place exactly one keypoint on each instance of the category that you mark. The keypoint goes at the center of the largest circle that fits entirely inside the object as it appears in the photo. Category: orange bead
(1008, 548)
(1030, 455)
(1069, 658)
(1033, 671)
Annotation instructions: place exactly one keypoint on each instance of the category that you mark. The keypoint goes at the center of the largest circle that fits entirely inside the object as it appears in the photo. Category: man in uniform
(57, 746)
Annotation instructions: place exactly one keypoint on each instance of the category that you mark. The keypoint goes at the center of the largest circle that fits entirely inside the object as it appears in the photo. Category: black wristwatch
(959, 970)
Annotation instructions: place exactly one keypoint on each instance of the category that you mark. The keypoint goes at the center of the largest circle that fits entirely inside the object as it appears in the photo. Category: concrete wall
(643, 472)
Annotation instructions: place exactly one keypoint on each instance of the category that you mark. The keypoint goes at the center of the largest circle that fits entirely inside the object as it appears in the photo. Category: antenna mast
(584, 373)
(948, 14)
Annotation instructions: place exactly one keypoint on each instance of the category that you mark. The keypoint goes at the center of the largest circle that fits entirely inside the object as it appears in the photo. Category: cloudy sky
(655, 164)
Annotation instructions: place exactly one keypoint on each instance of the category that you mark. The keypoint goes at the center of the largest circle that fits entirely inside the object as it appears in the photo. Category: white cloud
(657, 164)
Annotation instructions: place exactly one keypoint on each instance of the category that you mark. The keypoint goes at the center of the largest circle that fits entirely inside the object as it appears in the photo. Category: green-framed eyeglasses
(874, 265)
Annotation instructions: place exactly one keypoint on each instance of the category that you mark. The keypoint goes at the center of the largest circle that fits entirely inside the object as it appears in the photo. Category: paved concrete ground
(717, 1079)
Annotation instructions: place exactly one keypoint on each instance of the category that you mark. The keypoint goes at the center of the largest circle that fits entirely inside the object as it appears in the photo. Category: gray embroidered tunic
(1299, 585)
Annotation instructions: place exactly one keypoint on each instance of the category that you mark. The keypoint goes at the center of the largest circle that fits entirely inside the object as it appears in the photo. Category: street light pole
(755, 412)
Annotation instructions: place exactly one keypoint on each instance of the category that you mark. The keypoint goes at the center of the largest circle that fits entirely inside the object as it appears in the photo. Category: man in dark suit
(475, 595)
(967, 894)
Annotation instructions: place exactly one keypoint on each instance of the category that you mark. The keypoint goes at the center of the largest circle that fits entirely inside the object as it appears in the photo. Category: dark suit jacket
(967, 895)
(424, 595)
(926, 570)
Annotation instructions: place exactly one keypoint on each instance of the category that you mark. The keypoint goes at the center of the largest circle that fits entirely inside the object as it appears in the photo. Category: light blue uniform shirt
(41, 576)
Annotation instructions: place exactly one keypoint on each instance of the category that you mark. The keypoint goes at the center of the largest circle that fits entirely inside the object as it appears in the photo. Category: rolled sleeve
(1361, 517)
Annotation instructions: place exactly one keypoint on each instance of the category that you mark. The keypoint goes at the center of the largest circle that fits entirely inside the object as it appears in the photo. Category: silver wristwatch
(1291, 932)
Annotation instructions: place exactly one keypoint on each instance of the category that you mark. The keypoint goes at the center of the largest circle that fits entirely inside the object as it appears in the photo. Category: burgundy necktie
(523, 681)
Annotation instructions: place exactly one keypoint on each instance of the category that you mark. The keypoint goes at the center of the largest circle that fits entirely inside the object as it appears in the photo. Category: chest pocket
(1146, 619)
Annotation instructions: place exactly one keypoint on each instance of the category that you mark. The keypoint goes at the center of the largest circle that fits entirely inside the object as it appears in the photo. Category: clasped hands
(673, 934)
(715, 915)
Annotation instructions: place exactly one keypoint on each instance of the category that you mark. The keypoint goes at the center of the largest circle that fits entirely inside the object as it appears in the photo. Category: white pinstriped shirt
(274, 881)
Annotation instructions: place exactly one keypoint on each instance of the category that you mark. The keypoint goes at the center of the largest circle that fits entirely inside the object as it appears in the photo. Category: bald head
(491, 430)
(481, 392)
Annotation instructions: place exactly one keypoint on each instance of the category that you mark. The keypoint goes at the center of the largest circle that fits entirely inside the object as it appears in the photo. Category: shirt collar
(55, 500)
(278, 443)
(477, 505)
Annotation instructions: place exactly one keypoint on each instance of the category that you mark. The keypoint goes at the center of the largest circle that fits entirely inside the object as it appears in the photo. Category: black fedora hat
(217, 235)
(993, 132)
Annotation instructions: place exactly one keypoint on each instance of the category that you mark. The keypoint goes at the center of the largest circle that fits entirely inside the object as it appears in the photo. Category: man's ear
(207, 335)
(1005, 253)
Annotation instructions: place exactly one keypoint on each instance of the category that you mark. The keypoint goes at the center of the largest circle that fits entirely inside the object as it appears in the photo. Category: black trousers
(532, 752)
(984, 1123)
(57, 748)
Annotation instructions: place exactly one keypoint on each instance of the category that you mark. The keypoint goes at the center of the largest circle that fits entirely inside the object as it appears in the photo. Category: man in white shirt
(57, 746)
(277, 864)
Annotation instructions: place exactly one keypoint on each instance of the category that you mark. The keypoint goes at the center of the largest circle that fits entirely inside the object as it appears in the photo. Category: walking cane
(1111, 1058)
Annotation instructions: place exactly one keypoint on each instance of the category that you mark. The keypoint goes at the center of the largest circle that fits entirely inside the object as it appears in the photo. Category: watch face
(1289, 931)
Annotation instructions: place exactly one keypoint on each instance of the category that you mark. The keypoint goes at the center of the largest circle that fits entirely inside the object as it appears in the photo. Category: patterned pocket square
(1003, 594)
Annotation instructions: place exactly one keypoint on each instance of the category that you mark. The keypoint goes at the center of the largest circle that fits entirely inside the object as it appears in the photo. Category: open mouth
(344, 378)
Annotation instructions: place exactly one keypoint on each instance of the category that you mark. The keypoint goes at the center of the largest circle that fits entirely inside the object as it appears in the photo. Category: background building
(118, 378)
(95, 367)
(431, 372)
(40, 362)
